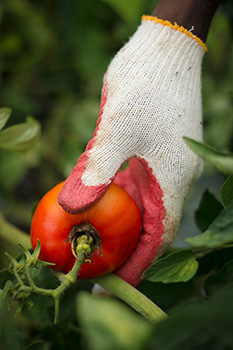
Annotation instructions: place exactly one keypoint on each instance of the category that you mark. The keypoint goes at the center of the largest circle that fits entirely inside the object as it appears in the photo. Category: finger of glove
(95, 170)
(151, 237)
(124, 180)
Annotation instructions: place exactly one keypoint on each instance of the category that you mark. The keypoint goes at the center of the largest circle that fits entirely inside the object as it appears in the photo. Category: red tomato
(115, 216)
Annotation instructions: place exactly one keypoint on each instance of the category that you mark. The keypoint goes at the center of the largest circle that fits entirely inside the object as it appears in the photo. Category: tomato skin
(115, 216)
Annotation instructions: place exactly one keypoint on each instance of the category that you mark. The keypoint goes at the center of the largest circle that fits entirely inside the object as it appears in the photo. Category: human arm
(196, 14)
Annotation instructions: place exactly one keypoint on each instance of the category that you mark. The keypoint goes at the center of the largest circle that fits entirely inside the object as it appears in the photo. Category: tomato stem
(84, 248)
(130, 295)
(93, 238)
(111, 282)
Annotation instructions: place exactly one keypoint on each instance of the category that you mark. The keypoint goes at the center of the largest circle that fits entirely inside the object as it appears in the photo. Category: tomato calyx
(82, 235)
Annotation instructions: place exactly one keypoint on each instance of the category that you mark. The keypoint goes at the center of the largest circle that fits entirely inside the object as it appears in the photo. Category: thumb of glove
(97, 166)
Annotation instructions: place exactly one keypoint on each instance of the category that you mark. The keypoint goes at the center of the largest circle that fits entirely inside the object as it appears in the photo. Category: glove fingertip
(75, 197)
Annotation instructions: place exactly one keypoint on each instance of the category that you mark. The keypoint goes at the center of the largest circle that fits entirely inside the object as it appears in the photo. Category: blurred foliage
(53, 55)
(111, 325)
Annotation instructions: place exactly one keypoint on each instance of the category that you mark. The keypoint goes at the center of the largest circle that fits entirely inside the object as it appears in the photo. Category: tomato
(115, 216)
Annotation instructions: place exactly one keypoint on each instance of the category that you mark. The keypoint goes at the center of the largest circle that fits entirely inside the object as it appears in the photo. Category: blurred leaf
(129, 11)
(167, 295)
(93, 44)
(218, 41)
(9, 286)
(223, 277)
(178, 266)
(20, 137)
(35, 345)
(79, 125)
(198, 325)
(4, 116)
(226, 193)
(5, 275)
(222, 161)
(209, 208)
(220, 232)
(9, 330)
(218, 122)
(10, 45)
(13, 167)
(1, 299)
(108, 324)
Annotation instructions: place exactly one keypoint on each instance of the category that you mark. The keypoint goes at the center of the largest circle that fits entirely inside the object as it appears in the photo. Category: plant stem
(83, 249)
(111, 282)
(131, 296)
(12, 234)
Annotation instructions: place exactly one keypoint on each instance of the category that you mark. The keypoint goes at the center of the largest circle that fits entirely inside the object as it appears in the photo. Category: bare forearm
(188, 13)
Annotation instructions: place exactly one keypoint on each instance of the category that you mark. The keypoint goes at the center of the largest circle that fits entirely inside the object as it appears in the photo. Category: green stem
(12, 234)
(57, 308)
(29, 277)
(111, 282)
(17, 275)
(83, 249)
(130, 295)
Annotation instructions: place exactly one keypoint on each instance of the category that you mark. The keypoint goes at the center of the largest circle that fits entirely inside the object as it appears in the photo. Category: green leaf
(4, 116)
(178, 266)
(222, 161)
(109, 324)
(209, 208)
(220, 232)
(226, 193)
(20, 137)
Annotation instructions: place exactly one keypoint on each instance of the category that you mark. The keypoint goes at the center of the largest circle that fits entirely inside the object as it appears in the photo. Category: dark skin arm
(188, 13)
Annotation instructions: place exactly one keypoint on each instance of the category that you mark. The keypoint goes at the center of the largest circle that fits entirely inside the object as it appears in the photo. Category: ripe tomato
(115, 216)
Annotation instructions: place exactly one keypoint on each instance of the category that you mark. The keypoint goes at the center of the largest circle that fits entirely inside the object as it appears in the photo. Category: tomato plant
(115, 216)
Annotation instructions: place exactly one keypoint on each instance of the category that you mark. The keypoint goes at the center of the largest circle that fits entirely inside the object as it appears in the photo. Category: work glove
(151, 100)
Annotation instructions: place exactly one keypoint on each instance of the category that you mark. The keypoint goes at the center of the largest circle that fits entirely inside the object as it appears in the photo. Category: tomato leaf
(20, 137)
(109, 324)
(222, 161)
(226, 193)
(4, 116)
(209, 208)
(220, 231)
(178, 266)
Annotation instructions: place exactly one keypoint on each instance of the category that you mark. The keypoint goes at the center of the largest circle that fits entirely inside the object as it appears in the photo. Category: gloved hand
(151, 99)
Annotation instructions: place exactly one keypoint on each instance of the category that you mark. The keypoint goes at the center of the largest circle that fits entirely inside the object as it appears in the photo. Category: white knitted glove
(151, 99)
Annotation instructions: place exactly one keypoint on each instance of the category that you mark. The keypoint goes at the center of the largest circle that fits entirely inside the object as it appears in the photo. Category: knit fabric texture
(153, 101)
